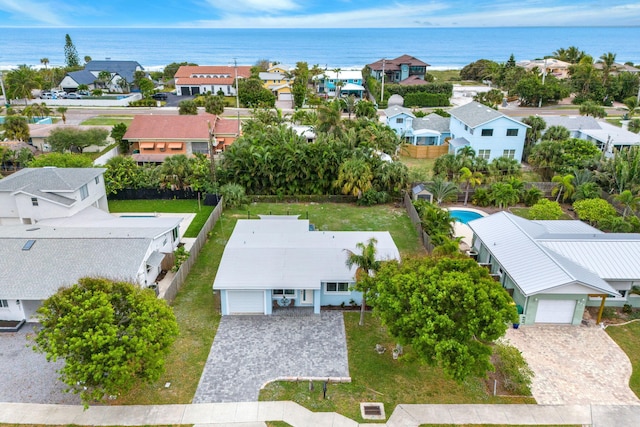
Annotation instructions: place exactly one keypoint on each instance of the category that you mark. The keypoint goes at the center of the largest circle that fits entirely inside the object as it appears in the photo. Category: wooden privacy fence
(185, 268)
(424, 151)
(417, 223)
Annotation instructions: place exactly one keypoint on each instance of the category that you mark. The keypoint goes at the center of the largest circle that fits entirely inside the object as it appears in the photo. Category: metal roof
(533, 267)
(267, 254)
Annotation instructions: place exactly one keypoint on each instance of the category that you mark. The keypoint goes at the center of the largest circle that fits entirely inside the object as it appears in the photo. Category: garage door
(184, 91)
(245, 302)
(285, 97)
(555, 311)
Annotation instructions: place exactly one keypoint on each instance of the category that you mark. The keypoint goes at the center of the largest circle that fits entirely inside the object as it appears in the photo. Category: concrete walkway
(253, 414)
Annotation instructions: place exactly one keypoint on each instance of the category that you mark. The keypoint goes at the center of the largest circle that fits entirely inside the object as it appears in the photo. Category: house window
(199, 147)
(84, 192)
(484, 154)
(174, 233)
(97, 179)
(509, 154)
(291, 293)
(4, 303)
(466, 127)
(487, 132)
(623, 294)
(337, 287)
(512, 132)
(399, 120)
(34, 201)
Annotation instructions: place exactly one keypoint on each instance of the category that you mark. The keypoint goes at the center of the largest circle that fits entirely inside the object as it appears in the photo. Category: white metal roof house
(36, 260)
(33, 194)
(553, 269)
(279, 261)
(489, 132)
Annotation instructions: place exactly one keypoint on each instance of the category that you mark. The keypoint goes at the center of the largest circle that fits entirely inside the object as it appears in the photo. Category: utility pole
(382, 89)
(212, 162)
(544, 74)
(235, 66)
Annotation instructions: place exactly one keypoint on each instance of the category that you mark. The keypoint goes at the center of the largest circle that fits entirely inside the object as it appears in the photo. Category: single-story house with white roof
(278, 261)
(554, 269)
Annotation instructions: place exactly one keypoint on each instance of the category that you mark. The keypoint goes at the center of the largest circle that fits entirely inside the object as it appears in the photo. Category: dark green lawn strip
(628, 338)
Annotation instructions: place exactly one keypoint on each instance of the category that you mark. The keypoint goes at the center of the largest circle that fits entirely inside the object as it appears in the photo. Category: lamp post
(235, 66)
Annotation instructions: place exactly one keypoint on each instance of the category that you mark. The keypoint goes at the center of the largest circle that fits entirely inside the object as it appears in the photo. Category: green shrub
(609, 313)
(545, 210)
(627, 309)
(372, 197)
(426, 99)
(180, 256)
(143, 103)
(233, 195)
(481, 197)
(531, 196)
(512, 370)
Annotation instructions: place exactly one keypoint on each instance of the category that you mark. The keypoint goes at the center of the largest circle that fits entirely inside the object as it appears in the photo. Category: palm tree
(504, 195)
(350, 104)
(631, 203)
(634, 126)
(20, 82)
(62, 110)
(608, 61)
(471, 179)
(556, 133)
(176, 171)
(366, 266)
(442, 190)
(564, 183)
(337, 71)
(632, 105)
(354, 177)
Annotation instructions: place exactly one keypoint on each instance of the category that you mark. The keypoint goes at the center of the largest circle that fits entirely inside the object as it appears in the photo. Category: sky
(317, 13)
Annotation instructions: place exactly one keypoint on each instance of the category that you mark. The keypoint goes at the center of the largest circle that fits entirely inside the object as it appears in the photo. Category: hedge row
(425, 99)
(440, 88)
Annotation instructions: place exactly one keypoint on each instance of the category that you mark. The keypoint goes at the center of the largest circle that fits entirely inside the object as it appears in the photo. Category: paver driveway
(574, 365)
(249, 351)
(26, 375)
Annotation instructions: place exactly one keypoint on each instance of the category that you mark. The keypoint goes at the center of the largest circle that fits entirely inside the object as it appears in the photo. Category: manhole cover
(372, 411)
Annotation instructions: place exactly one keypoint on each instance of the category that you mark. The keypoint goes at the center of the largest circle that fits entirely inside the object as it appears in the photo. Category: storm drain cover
(372, 411)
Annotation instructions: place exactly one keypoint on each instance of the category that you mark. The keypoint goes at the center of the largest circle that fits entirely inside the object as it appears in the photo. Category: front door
(307, 296)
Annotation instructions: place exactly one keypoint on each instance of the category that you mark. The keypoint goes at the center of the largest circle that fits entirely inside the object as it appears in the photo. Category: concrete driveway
(249, 351)
(574, 365)
(26, 375)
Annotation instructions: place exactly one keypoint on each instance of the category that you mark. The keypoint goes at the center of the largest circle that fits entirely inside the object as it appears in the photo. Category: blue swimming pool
(464, 216)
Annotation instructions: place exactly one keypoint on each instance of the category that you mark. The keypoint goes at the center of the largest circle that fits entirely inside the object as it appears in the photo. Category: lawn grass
(379, 378)
(345, 217)
(420, 170)
(198, 315)
(628, 338)
(524, 213)
(107, 120)
(442, 76)
(170, 206)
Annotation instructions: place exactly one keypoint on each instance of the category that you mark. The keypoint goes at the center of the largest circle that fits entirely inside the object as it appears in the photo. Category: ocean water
(442, 48)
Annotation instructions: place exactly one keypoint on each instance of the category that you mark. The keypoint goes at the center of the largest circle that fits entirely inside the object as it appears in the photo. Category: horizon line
(158, 26)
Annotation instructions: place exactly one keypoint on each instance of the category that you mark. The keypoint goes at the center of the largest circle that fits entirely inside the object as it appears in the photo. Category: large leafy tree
(449, 310)
(171, 69)
(76, 140)
(435, 221)
(253, 94)
(534, 133)
(590, 108)
(187, 107)
(176, 172)
(117, 132)
(122, 172)
(70, 53)
(109, 334)
(366, 266)
(593, 210)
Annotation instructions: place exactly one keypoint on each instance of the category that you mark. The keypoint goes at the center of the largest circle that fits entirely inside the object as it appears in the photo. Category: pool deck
(463, 230)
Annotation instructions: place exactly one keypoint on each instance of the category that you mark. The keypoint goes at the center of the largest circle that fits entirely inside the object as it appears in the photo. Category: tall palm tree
(337, 71)
(354, 177)
(20, 82)
(629, 200)
(632, 105)
(62, 111)
(556, 133)
(504, 195)
(564, 184)
(608, 60)
(470, 179)
(367, 265)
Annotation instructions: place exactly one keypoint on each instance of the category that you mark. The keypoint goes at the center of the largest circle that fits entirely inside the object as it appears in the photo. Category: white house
(554, 269)
(279, 262)
(119, 70)
(489, 132)
(34, 194)
(194, 80)
(36, 260)
(429, 130)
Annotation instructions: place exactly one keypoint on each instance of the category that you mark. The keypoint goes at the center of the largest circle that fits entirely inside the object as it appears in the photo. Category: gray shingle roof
(572, 123)
(82, 77)
(474, 114)
(534, 267)
(432, 122)
(125, 69)
(53, 262)
(397, 110)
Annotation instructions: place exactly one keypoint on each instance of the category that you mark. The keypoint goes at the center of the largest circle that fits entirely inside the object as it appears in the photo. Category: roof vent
(27, 246)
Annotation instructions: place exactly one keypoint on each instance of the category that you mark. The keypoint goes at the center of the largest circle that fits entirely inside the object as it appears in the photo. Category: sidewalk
(254, 414)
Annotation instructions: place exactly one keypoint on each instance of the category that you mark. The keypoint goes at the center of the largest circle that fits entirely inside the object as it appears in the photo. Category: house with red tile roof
(404, 70)
(197, 79)
(154, 138)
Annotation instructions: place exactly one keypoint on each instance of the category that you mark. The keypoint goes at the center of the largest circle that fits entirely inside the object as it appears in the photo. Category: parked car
(83, 93)
(73, 95)
(46, 95)
(160, 96)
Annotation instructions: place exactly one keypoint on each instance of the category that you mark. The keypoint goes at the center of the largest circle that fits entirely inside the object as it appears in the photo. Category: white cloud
(31, 11)
(252, 6)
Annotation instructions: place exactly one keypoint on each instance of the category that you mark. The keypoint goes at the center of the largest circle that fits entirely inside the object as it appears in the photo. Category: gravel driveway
(26, 375)
(574, 365)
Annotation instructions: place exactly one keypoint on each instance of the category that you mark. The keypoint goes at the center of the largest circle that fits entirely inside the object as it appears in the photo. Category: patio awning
(175, 145)
(459, 142)
(155, 259)
(147, 145)
(160, 145)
